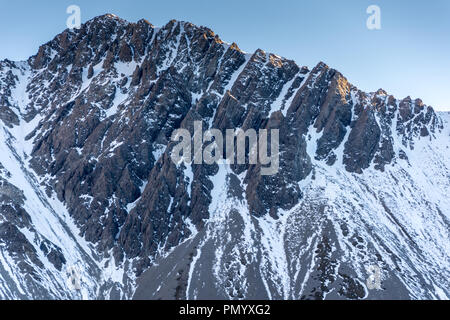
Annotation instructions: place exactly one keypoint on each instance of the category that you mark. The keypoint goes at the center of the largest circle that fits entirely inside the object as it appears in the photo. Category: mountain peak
(108, 16)
(381, 92)
(86, 145)
(105, 18)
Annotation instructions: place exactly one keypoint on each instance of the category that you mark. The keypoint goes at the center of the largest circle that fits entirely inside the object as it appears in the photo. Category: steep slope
(87, 178)
(323, 246)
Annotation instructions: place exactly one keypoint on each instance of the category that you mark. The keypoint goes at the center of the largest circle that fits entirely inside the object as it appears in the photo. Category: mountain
(88, 188)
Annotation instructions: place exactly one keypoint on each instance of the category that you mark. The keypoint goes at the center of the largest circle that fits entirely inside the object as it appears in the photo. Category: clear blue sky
(410, 55)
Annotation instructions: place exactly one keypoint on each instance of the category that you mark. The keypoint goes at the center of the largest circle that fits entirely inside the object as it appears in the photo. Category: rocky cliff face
(87, 179)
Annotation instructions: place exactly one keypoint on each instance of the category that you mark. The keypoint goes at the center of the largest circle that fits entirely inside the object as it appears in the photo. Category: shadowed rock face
(102, 102)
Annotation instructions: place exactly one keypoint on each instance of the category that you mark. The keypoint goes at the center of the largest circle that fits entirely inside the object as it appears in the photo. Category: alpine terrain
(93, 207)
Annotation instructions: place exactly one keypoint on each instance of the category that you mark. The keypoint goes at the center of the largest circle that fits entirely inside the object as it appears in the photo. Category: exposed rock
(101, 146)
